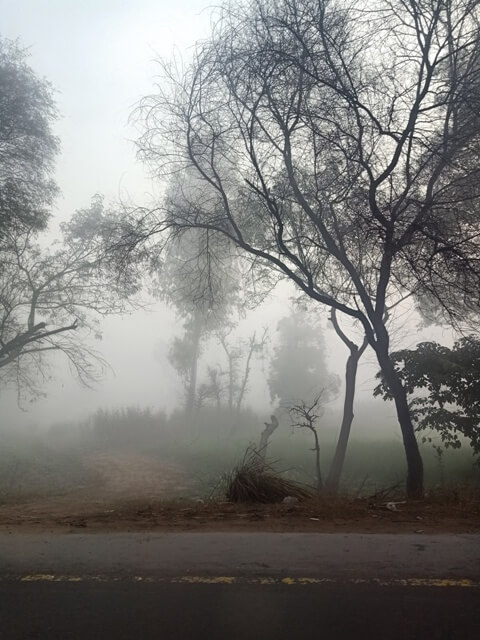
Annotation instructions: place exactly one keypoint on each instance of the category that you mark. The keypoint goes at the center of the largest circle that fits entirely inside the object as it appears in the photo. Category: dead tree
(266, 435)
(337, 145)
(305, 417)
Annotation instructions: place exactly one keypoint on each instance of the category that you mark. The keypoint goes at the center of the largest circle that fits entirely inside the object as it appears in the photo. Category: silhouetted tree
(443, 387)
(50, 301)
(305, 416)
(197, 279)
(336, 143)
(355, 353)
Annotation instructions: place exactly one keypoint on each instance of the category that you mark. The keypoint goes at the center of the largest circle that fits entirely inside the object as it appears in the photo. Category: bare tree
(336, 143)
(254, 346)
(239, 358)
(306, 416)
(50, 301)
(197, 279)
(355, 353)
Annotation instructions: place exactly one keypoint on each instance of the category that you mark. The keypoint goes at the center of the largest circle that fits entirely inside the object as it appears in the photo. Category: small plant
(254, 480)
(305, 417)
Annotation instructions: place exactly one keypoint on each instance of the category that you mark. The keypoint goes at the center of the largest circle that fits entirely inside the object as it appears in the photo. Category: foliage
(335, 144)
(449, 378)
(128, 427)
(198, 280)
(50, 301)
(27, 144)
(298, 369)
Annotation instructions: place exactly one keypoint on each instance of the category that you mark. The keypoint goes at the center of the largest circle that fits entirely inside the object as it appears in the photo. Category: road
(239, 585)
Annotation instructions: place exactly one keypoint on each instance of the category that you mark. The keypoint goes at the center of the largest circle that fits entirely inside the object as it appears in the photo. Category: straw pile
(253, 480)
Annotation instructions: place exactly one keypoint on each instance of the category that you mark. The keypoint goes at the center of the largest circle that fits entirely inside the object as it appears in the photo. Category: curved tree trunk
(333, 479)
(265, 436)
(412, 452)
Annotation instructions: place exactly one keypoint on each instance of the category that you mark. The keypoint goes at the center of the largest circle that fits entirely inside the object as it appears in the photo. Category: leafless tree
(50, 301)
(336, 143)
(306, 416)
(198, 280)
(239, 358)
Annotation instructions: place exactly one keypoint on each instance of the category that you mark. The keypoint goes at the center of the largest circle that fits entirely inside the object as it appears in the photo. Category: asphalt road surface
(238, 586)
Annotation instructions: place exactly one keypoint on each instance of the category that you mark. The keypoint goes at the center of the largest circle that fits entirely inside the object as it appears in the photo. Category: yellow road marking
(260, 580)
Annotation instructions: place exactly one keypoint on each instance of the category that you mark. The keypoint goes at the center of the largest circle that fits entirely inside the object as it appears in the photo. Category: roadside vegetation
(306, 151)
(54, 462)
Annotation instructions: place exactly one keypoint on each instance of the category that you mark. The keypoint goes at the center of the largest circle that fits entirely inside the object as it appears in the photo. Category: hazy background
(99, 55)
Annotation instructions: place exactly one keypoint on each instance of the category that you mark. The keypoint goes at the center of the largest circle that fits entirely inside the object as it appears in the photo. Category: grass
(211, 448)
(252, 480)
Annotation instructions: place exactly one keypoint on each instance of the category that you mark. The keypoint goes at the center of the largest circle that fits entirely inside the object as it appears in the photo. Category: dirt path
(129, 492)
(115, 477)
(132, 475)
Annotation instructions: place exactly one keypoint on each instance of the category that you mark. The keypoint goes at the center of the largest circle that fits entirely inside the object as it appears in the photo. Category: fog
(100, 58)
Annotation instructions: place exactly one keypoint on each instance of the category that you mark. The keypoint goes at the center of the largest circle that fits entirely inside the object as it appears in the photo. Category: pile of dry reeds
(253, 480)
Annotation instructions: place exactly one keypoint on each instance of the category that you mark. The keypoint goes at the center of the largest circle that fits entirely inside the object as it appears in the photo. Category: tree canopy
(28, 146)
(298, 369)
(336, 143)
(51, 299)
(443, 388)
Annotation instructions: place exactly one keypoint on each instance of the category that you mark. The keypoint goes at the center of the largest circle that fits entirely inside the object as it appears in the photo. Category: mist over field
(195, 351)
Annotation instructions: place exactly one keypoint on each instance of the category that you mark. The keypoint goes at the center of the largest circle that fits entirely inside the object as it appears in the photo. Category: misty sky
(98, 54)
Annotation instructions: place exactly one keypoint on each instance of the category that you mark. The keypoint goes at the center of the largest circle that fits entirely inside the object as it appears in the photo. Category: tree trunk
(246, 374)
(414, 459)
(265, 436)
(317, 462)
(230, 382)
(333, 479)
(192, 386)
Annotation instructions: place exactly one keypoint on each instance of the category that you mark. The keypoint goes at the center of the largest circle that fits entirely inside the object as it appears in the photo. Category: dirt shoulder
(130, 492)
(359, 516)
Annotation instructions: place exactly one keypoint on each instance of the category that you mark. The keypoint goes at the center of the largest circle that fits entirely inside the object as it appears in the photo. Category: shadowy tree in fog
(355, 353)
(27, 144)
(298, 369)
(46, 295)
(50, 301)
(198, 281)
(337, 143)
(232, 382)
(443, 387)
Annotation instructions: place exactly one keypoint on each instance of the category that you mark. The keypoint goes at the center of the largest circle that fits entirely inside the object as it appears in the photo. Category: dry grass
(254, 481)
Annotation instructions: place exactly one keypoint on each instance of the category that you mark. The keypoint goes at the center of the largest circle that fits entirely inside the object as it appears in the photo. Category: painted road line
(253, 580)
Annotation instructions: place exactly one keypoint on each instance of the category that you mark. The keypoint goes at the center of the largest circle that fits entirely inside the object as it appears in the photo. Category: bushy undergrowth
(32, 467)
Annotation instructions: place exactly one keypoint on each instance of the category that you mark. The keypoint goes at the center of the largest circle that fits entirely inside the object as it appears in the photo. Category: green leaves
(445, 387)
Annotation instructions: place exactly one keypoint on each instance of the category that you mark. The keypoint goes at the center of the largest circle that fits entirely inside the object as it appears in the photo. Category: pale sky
(99, 56)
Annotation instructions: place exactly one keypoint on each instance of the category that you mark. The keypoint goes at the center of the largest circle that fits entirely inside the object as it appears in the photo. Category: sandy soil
(134, 492)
